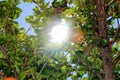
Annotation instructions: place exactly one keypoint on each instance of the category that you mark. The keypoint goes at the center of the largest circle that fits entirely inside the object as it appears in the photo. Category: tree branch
(25, 62)
(90, 68)
(115, 36)
(116, 60)
(118, 21)
(4, 51)
(50, 74)
(1, 75)
(100, 76)
(44, 65)
(27, 31)
(37, 4)
(109, 3)
(6, 18)
(88, 50)
(34, 77)
(14, 32)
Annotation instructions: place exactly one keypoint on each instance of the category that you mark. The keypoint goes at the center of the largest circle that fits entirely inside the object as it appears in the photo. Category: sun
(59, 33)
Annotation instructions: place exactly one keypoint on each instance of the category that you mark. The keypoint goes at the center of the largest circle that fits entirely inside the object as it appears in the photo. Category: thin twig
(86, 54)
(25, 62)
(116, 60)
(90, 67)
(36, 3)
(100, 76)
(56, 68)
(32, 74)
(50, 74)
(118, 22)
(88, 50)
(115, 36)
(109, 3)
(14, 33)
(6, 18)
(44, 65)
(27, 31)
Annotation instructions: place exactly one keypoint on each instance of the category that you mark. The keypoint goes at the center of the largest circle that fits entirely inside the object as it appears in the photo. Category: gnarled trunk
(105, 50)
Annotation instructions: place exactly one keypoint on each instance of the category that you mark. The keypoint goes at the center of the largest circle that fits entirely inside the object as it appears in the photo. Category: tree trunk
(105, 50)
(107, 64)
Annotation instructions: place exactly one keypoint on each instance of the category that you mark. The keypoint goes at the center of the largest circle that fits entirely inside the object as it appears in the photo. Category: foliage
(33, 57)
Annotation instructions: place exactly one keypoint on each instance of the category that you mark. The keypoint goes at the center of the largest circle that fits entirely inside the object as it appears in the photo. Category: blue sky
(27, 9)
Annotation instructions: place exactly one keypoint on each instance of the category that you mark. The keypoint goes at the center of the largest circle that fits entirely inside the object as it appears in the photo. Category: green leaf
(63, 68)
(1, 55)
(27, 0)
(22, 75)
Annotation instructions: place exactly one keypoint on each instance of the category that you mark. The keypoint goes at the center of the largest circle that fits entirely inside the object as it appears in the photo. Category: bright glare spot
(59, 33)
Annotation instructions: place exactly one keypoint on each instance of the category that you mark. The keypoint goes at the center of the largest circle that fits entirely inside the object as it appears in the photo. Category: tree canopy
(91, 52)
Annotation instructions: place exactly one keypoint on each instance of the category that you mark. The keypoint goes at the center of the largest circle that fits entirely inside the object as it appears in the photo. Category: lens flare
(59, 33)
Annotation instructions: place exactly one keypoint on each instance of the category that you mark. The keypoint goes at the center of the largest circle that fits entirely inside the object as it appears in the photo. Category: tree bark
(105, 50)
(107, 64)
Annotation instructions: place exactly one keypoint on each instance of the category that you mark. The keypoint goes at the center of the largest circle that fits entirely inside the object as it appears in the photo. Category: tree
(95, 56)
